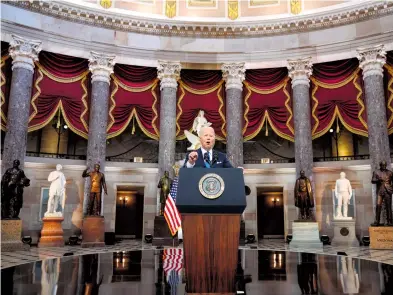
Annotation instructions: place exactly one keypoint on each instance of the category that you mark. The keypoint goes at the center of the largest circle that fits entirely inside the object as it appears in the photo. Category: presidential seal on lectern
(211, 186)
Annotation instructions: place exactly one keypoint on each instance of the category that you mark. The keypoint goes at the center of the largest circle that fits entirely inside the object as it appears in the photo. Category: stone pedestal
(11, 235)
(381, 237)
(93, 231)
(162, 235)
(344, 232)
(305, 235)
(52, 232)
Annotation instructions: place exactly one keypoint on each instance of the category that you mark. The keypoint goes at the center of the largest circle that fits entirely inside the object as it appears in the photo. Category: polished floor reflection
(161, 272)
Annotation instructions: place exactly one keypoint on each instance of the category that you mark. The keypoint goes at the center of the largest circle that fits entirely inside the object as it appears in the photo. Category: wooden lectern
(211, 228)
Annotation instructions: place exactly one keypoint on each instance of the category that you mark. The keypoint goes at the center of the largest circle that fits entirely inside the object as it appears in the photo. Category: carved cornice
(233, 75)
(371, 60)
(299, 71)
(333, 17)
(24, 52)
(168, 72)
(101, 66)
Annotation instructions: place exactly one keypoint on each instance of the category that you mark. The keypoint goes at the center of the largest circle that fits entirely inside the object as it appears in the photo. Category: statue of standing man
(303, 196)
(165, 186)
(97, 184)
(12, 184)
(56, 191)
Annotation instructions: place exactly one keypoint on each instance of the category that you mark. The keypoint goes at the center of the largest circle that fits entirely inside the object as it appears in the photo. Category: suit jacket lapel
(200, 158)
(215, 158)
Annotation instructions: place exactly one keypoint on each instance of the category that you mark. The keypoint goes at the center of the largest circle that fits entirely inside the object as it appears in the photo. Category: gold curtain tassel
(58, 120)
(338, 127)
(133, 126)
(267, 130)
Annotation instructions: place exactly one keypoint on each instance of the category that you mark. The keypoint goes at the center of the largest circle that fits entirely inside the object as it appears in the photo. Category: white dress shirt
(188, 165)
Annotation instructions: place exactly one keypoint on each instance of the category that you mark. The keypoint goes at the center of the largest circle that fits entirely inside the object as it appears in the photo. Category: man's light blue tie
(206, 157)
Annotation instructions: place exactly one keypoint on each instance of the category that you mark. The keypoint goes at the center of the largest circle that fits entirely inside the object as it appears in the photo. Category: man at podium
(206, 157)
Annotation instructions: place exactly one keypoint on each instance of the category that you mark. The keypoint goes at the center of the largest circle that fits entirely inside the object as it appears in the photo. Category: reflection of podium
(211, 227)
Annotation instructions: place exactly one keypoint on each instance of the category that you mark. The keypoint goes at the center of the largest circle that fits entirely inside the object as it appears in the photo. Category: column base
(162, 235)
(52, 234)
(305, 235)
(381, 237)
(344, 233)
(11, 233)
(93, 232)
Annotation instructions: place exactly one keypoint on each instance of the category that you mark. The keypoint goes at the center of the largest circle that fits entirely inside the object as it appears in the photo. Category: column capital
(101, 66)
(168, 73)
(371, 60)
(24, 52)
(233, 75)
(299, 71)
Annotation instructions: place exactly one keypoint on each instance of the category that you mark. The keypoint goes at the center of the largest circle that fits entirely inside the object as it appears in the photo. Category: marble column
(168, 73)
(371, 61)
(23, 52)
(300, 71)
(234, 74)
(101, 66)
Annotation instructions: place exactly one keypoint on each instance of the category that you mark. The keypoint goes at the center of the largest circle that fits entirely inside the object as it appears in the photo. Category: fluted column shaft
(372, 60)
(24, 53)
(168, 73)
(234, 75)
(300, 71)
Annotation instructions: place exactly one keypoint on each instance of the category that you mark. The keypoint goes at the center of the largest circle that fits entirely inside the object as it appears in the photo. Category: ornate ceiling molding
(361, 11)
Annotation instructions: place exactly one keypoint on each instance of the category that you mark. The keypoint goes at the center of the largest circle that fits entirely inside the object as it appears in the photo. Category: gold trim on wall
(233, 9)
(202, 3)
(106, 3)
(256, 3)
(170, 8)
(296, 6)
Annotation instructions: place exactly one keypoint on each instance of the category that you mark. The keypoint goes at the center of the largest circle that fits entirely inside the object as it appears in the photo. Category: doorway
(270, 212)
(129, 212)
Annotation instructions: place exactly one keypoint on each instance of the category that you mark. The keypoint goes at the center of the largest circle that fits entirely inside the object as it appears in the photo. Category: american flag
(172, 260)
(171, 214)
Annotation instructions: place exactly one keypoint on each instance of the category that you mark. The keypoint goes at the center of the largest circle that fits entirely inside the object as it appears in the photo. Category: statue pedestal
(344, 232)
(162, 235)
(52, 232)
(93, 232)
(381, 237)
(305, 234)
(11, 236)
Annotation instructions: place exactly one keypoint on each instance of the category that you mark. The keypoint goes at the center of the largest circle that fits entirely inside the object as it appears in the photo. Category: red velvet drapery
(267, 100)
(60, 82)
(388, 79)
(134, 96)
(336, 92)
(201, 90)
(6, 76)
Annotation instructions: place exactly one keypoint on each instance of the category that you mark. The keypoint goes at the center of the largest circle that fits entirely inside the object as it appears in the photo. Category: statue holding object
(12, 184)
(383, 178)
(304, 196)
(97, 184)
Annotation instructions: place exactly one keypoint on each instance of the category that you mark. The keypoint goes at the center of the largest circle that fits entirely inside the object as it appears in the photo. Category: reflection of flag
(173, 280)
(172, 260)
(171, 214)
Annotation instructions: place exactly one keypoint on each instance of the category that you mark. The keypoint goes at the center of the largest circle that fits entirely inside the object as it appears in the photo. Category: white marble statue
(56, 192)
(343, 192)
(199, 122)
(348, 276)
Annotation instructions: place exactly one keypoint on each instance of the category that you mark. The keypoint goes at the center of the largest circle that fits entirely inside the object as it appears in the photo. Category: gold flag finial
(176, 168)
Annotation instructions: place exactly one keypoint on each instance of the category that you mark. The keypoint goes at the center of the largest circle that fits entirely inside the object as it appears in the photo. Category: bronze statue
(303, 196)
(165, 186)
(383, 178)
(97, 184)
(12, 184)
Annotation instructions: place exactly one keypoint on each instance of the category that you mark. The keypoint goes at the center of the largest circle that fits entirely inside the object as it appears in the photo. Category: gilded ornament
(233, 9)
(106, 3)
(296, 6)
(170, 8)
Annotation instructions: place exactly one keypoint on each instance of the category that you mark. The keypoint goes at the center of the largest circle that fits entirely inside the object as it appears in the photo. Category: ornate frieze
(372, 60)
(24, 52)
(101, 66)
(168, 72)
(299, 71)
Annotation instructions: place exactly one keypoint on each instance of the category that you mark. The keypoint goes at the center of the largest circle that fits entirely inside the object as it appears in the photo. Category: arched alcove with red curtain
(268, 119)
(338, 108)
(6, 76)
(200, 90)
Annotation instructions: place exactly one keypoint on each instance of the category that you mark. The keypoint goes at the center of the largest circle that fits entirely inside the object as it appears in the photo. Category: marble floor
(9, 259)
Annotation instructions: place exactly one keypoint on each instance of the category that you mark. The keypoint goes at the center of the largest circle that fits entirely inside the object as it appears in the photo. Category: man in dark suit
(206, 157)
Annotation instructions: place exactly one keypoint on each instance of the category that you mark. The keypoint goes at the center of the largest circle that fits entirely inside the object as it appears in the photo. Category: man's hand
(192, 157)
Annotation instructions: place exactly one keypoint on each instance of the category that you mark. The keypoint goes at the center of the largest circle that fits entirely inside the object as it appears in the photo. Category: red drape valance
(336, 92)
(63, 82)
(134, 94)
(201, 90)
(388, 79)
(267, 101)
(6, 75)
